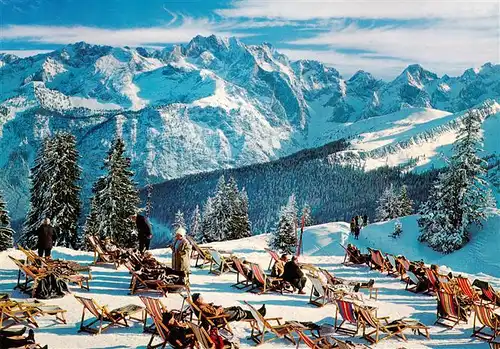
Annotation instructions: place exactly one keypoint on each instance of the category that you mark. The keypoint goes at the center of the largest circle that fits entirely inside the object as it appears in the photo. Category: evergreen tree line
(393, 204)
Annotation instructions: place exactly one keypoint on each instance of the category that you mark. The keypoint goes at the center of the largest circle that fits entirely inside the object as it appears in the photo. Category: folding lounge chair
(261, 326)
(392, 265)
(404, 267)
(321, 294)
(219, 321)
(490, 322)
(316, 343)
(413, 282)
(201, 254)
(495, 343)
(139, 284)
(13, 313)
(201, 337)
(154, 308)
(247, 280)
(449, 313)
(32, 276)
(41, 309)
(466, 289)
(377, 260)
(100, 255)
(490, 296)
(264, 283)
(105, 318)
(349, 258)
(347, 312)
(274, 257)
(218, 264)
(382, 329)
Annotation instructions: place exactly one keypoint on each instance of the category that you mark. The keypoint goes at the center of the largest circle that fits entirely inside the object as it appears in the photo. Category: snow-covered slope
(213, 103)
(321, 247)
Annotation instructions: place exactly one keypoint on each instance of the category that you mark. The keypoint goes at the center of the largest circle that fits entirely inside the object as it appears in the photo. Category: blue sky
(381, 37)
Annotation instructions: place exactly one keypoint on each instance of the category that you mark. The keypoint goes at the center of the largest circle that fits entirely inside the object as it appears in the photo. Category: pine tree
(115, 200)
(6, 233)
(149, 203)
(55, 193)
(388, 205)
(461, 195)
(240, 222)
(207, 223)
(195, 227)
(405, 203)
(284, 238)
(306, 215)
(221, 213)
(179, 220)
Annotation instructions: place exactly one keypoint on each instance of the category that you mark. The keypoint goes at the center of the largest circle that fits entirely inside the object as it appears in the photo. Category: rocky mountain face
(213, 103)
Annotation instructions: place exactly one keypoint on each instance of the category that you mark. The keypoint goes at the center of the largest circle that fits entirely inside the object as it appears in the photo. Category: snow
(321, 247)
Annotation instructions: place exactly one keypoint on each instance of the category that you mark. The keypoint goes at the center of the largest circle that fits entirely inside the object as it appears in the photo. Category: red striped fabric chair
(264, 283)
(349, 319)
(489, 295)
(448, 310)
(404, 266)
(490, 324)
(377, 260)
(154, 307)
(433, 280)
(274, 257)
(465, 287)
(247, 279)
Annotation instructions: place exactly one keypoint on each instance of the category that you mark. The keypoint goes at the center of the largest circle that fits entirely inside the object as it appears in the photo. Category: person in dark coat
(46, 237)
(357, 229)
(15, 339)
(145, 232)
(294, 275)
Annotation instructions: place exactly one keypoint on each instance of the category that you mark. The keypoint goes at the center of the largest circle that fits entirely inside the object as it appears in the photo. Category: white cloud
(184, 32)
(374, 9)
(24, 53)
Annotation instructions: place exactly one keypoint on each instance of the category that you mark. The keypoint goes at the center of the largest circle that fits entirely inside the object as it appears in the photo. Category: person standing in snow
(145, 232)
(360, 222)
(356, 232)
(46, 237)
(353, 225)
(294, 275)
(365, 220)
(181, 252)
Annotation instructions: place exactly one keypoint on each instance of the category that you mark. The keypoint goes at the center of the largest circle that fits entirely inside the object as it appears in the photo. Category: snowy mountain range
(216, 103)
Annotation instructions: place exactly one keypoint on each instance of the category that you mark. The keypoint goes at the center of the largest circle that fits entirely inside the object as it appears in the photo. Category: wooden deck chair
(466, 289)
(32, 277)
(413, 282)
(100, 255)
(42, 309)
(139, 284)
(404, 267)
(490, 296)
(154, 308)
(12, 313)
(348, 345)
(448, 310)
(490, 323)
(219, 321)
(321, 294)
(246, 280)
(316, 343)
(201, 254)
(159, 330)
(218, 264)
(347, 312)
(105, 318)
(349, 258)
(392, 265)
(382, 327)
(377, 260)
(264, 283)
(433, 280)
(274, 257)
(262, 326)
(201, 337)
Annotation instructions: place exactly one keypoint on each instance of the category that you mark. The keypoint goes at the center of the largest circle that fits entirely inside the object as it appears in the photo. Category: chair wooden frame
(200, 253)
(154, 308)
(30, 277)
(15, 312)
(413, 279)
(325, 294)
(100, 255)
(448, 310)
(263, 283)
(274, 257)
(204, 319)
(219, 264)
(349, 257)
(347, 312)
(392, 265)
(377, 260)
(246, 280)
(138, 284)
(260, 326)
(404, 267)
(487, 320)
(201, 337)
(465, 287)
(105, 318)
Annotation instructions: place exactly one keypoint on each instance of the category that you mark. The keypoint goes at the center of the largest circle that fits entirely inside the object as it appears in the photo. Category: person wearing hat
(181, 252)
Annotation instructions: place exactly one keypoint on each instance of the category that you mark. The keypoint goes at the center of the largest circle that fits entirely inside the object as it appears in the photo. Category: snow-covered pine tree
(405, 203)
(179, 220)
(6, 233)
(284, 238)
(195, 226)
(221, 213)
(39, 192)
(207, 223)
(149, 203)
(388, 205)
(461, 195)
(241, 226)
(115, 200)
(306, 215)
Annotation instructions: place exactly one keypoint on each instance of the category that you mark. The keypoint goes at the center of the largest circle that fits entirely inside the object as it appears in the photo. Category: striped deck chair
(448, 310)
(160, 330)
(448, 287)
(377, 260)
(490, 322)
(274, 257)
(218, 264)
(100, 255)
(316, 343)
(264, 283)
(392, 265)
(382, 329)
(324, 294)
(262, 326)
(154, 308)
(201, 254)
(247, 279)
(404, 266)
(13, 313)
(413, 282)
(201, 337)
(490, 296)
(32, 277)
(106, 318)
(465, 287)
(206, 321)
(347, 312)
